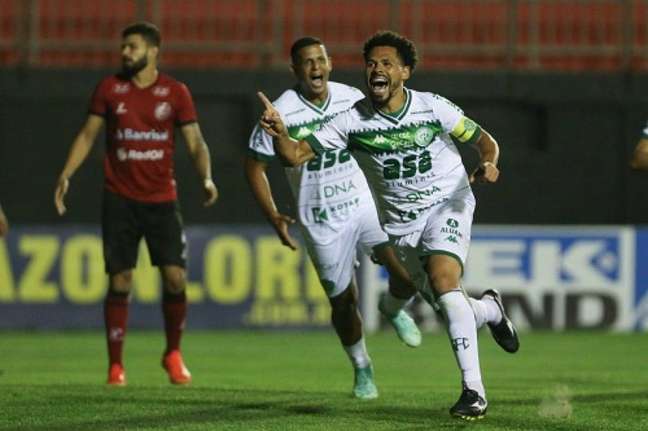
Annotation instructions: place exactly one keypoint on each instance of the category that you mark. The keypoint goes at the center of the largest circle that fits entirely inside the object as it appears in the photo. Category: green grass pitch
(302, 381)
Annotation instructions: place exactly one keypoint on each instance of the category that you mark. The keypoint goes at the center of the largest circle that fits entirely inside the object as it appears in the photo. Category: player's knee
(174, 281)
(443, 279)
(121, 282)
(345, 303)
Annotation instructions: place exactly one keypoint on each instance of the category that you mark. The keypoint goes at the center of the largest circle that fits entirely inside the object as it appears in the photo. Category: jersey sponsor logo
(320, 215)
(121, 108)
(161, 91)
(129, 134)
(162, 111)
(452, 230)
(121, 88)
(452, 222)
(332, 190)
(152, 155)
(421, 194)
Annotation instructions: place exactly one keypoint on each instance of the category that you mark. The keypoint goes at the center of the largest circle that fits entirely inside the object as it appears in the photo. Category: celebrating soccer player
(141, 107)
(405, 142)
(335, 208)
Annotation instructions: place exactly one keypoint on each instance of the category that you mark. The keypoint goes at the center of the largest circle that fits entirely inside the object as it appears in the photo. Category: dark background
(565, 143)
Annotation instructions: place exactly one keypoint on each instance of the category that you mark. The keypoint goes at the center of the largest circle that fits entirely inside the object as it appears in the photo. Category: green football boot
(363, 384)
(404, 325)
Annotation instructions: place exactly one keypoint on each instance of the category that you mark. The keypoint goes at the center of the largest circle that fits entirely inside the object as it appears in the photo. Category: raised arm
(640, 156)
(487, 170)
(79, 150)
(199, 152)
(293, 152)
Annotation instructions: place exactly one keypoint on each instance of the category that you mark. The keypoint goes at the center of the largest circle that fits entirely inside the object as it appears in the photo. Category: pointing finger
(268, 105)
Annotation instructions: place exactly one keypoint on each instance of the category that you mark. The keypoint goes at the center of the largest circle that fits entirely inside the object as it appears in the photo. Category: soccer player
(405, 142)
(4, 223)
(640, 156)
(140, 107)
(335, 208)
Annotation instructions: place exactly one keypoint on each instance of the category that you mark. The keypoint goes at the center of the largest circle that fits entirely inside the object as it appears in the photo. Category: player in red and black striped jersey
(140, 108)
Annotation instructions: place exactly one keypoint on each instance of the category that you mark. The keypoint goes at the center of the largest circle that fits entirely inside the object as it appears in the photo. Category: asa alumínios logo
(452, 223)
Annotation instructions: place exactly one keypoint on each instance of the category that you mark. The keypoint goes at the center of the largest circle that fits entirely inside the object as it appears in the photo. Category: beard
(132, 69)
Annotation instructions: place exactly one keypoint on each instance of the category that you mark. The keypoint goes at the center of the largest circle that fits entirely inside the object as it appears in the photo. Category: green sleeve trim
(314, 144)
(259, 156)
(445, 253)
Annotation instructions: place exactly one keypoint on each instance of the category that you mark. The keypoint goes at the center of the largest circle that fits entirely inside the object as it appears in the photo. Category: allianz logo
(124, 154)
(129, 134)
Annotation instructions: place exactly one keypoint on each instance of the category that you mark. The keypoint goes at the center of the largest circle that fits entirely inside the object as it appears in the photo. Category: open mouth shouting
(379, 86)
(317, 81)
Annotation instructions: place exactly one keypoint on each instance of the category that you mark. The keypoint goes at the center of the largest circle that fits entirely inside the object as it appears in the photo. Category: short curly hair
(405, 47)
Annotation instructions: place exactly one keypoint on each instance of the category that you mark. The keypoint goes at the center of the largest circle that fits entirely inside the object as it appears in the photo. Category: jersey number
(328, 159)
(393, 170)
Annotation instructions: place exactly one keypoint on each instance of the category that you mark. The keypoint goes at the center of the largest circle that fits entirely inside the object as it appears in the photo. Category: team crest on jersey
(423, 136)
(162, 111)
(121, 88)
(160, 91)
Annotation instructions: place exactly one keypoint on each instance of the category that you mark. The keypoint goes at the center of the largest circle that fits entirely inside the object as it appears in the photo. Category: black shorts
(123, 224)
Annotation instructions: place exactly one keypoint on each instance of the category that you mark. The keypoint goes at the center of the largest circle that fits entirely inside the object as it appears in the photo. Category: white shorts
(446, 231)
(335, 258)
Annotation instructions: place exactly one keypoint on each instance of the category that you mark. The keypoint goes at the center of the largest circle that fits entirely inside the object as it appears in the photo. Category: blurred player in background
(404, 140)
(4, 223)
(335, 208)
(640, 156)
(140, 107)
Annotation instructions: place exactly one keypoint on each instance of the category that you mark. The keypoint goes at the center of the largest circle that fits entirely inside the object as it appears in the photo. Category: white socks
(463, 337)
(486, 310)
(393, 305)
(358, 354)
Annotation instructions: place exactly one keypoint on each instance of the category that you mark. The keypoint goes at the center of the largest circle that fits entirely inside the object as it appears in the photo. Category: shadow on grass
(91, 407)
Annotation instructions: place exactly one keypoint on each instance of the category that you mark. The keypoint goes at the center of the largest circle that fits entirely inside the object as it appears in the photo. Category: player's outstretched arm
(79, 150)
(255, 172)
(198, 150)
(486, 171)
(293, 152)
(4, 223)
(639, 159)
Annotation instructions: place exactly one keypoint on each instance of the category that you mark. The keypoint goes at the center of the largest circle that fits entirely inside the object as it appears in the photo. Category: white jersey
(330, 188)
(409, 158)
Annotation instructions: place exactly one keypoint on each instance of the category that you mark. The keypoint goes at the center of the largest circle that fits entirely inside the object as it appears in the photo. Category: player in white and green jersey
(335, 208)
(405, 142)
